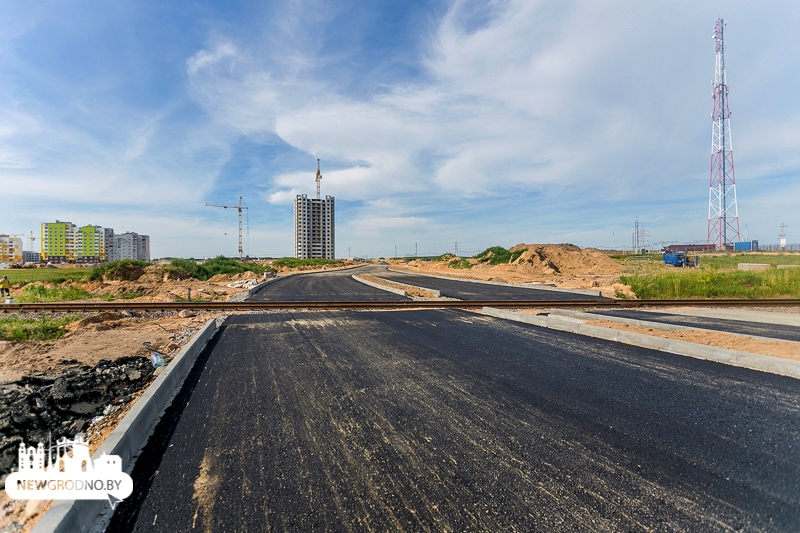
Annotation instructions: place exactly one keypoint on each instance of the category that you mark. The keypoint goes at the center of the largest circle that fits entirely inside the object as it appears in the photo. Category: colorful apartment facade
(64, 242)
(10, 249)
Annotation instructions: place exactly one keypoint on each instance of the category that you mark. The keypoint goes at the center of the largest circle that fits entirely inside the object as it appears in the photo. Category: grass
(45, 275)
(292, 262)
(43, 329)
(711, 283)
(116, 269)
(496, 255)
(459, 263)
(218, 265)
(64, 293)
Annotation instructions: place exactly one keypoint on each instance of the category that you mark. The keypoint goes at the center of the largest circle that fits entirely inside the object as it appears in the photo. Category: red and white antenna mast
(723, 212)
(318, 178)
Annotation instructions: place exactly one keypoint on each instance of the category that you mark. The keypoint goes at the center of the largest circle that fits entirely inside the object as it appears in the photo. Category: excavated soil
(775, 348)
(563, 265)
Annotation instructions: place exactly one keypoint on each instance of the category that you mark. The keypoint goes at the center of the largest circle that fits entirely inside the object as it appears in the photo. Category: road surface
(452, 421)
(469, 290)
(333, 286)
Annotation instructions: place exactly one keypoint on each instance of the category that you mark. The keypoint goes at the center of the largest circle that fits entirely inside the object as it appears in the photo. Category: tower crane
(239, 208)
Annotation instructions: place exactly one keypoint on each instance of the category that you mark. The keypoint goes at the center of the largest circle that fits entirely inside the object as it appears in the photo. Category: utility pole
(239, 208)
(395, 250)
(415, 249)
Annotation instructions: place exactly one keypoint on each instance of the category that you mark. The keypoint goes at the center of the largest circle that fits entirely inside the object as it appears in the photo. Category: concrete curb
(436, 293)
(501, 284)
(763, 363)
(129, 437)
(379, 286)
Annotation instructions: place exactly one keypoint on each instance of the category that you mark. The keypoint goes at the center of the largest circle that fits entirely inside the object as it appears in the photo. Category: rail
(73, 307)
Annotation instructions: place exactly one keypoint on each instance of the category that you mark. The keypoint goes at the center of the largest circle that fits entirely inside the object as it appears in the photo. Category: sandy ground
(775, 348)
(562, 265)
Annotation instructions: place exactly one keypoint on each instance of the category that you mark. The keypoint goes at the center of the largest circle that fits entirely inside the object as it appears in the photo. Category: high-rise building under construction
(314, 229)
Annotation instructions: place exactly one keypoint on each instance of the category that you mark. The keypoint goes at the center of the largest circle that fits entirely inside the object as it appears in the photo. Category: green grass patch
(43, 329)
(496, 255)
(218, 265)
(45, 275)
(293, 262)
(40, 293)
(710, 283)
(118, 270)
(459, 263)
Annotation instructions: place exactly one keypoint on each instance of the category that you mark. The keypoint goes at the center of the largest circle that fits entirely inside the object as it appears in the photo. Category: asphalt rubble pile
(41, 407)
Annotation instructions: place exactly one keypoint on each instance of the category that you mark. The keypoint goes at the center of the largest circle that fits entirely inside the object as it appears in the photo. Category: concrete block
(379, 286)
(788, 266)
(755, 267)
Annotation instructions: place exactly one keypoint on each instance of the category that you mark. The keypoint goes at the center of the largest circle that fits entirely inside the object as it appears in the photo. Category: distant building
(91, 244)
(131, 245)
(59, 241)
(10, 249)
(29, 256)
(314, 233)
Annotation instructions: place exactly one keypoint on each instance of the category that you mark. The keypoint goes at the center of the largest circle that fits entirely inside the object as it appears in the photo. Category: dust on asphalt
(450, 421)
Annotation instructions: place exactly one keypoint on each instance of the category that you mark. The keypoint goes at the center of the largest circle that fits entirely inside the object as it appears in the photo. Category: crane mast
(239, 208)
(318, 178)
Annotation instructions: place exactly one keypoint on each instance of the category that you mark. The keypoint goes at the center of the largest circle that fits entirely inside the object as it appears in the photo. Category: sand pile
(550, 259)
(245, 275)
(219, 278)
(160, 273)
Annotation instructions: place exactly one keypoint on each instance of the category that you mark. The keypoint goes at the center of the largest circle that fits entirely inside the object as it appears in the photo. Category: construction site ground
(115, 335)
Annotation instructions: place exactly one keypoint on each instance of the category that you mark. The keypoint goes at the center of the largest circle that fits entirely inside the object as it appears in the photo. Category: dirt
(562, 265)
(775, 348)
(410, 289)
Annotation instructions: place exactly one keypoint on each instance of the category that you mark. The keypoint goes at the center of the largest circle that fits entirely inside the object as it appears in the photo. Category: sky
(438, 123)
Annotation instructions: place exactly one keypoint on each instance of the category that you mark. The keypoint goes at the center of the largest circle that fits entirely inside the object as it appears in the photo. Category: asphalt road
(334, 286)
(467, 290)
(450, 421)
(774, 331)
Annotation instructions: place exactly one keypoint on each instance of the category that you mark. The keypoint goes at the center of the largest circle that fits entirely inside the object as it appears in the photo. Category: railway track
(72, 307)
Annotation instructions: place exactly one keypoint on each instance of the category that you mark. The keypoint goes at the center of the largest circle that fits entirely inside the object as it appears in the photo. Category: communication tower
(723, 212)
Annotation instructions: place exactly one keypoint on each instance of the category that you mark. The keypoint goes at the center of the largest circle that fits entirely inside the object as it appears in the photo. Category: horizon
(436, 122)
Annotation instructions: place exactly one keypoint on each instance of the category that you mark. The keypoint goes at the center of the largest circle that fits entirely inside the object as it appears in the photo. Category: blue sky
(493, 122)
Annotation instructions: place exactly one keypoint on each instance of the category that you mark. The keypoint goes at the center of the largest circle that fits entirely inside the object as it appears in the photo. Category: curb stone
(128, 439)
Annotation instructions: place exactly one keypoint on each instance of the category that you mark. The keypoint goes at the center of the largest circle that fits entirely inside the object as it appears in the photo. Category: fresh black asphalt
(774, 331)
(469, 290)
(333, 286)
(452, 421)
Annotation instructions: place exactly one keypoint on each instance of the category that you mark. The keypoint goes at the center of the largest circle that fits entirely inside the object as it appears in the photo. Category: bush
(212, 267)
(496, 255)
(459, 263)
(293, 262)
(125, 269)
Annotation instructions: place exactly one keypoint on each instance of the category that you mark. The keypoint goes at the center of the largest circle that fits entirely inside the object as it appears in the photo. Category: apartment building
(131, 245)
(59, 241)
(10, 249)
(314, 229)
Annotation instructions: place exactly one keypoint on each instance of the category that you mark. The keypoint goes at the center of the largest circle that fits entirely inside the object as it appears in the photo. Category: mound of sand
(244, 275)
(565, 259)
(161, 273)
(219, 278)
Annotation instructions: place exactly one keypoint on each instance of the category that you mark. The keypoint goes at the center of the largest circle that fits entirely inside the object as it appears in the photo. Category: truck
(677, 259)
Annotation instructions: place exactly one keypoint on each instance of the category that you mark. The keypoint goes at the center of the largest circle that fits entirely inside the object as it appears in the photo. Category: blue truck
(677, 259)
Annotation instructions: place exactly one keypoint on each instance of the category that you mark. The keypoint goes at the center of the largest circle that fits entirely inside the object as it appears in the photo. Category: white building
(314, 234)
(131, 245)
